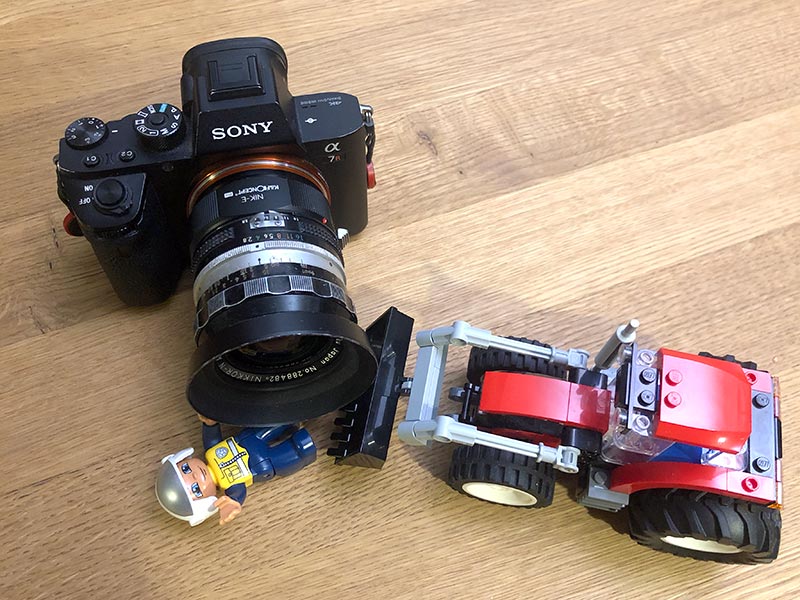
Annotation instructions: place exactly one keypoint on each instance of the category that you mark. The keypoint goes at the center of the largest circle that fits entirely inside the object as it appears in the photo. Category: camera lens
(277, 336)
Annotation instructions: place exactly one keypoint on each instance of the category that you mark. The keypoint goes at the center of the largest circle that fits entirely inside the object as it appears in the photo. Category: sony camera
(256, 190)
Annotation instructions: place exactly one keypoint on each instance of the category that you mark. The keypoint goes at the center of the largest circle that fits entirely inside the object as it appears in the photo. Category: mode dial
(160, 126)
(85, 133)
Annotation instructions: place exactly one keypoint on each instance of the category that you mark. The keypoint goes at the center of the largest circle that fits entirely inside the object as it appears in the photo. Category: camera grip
(143, 262)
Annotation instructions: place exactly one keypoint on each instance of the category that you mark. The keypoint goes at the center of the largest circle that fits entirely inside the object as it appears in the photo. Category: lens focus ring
(272, 285)
(250, 256)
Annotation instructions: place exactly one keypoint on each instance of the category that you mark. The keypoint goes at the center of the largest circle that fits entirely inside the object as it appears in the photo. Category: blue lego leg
(293, 454)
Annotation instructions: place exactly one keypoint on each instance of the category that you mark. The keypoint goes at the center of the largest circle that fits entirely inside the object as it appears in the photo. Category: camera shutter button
(111, 197)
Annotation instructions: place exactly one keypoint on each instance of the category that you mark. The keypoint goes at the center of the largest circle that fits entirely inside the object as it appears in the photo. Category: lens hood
(214, 393)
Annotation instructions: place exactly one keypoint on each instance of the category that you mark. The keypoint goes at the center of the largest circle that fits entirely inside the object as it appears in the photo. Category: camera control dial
(85, 133)
(111, 197)
(160, 126)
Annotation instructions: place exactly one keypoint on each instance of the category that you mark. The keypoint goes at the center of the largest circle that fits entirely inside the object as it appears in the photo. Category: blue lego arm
(212, 435)
(267, 434)
(237, 492)
(293, 454)
(289, 456)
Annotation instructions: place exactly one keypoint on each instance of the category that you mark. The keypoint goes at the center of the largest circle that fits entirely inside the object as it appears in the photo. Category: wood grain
(545, 169)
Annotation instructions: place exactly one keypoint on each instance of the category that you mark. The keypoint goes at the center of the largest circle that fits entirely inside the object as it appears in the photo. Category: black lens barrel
(279, 227)
(267, 262)
(253, 191)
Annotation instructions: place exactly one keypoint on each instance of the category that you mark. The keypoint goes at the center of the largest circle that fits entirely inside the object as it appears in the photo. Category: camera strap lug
(369, 125)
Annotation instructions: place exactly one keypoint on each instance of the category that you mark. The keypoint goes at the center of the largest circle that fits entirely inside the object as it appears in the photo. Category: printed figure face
(197, 478)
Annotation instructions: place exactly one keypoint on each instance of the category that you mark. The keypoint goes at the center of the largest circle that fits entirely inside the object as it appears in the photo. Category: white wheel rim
(709, 546)
(499, 494)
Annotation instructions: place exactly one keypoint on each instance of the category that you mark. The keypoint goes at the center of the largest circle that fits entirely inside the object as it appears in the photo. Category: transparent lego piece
(776, 394)
(624, 445)
(717, 458)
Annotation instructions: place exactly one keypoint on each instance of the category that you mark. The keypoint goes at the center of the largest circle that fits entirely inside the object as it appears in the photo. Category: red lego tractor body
(703, 402)
(689, 444)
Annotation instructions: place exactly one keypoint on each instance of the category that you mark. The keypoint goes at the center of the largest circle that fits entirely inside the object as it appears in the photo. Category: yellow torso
(228, 462)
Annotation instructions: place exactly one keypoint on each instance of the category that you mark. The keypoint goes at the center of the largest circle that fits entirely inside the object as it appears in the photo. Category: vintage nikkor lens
(277, 339)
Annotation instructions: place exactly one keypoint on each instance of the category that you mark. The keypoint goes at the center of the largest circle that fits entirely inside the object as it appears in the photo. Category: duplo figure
(187, 486)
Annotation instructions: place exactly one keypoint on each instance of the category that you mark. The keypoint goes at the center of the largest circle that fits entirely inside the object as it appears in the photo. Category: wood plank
(545, 169)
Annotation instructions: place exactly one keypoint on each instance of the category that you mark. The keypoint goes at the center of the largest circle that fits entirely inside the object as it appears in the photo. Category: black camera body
(126, 183)
(259, 189)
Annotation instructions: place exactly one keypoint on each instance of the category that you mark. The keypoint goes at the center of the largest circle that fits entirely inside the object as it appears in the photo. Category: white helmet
(175, 498)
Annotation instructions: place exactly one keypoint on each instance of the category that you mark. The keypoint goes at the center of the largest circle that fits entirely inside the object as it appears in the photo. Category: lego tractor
(690, 444)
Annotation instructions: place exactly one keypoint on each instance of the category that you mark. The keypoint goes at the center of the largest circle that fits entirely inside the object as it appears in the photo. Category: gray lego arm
(433, 343)
(423, 425)
(445, 428)
(461, 333)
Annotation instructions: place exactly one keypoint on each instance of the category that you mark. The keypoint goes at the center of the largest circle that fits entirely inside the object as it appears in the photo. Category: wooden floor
(546, 169)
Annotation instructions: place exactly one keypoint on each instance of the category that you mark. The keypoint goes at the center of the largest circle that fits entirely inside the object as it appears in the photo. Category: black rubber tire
(745, 364)
(480, 464)
(754, 529)
(482, 360)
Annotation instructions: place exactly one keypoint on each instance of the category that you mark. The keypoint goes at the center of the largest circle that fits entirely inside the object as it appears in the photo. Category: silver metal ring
(252, 255)
(276, 285)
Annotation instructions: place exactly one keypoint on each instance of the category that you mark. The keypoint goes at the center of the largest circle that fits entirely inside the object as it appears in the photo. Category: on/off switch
(111, 197)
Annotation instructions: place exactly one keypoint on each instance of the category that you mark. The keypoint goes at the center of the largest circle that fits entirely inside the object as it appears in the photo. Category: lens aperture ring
(265, 227)
(200, 256)
(268, 285)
